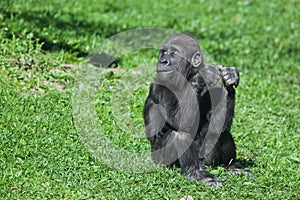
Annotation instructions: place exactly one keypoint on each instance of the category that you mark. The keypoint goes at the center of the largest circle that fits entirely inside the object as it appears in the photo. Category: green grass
(42, 44)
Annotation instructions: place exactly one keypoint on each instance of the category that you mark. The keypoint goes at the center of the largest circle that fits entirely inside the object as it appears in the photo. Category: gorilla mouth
(164, 68)
(161, 71)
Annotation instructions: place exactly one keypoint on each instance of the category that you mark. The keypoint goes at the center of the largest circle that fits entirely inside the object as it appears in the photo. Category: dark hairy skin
(189, 111)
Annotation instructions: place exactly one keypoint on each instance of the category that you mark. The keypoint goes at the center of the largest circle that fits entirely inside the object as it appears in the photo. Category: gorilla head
(180, 53)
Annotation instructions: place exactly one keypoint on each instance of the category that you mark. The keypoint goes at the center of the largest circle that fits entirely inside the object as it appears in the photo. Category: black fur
(189, 111)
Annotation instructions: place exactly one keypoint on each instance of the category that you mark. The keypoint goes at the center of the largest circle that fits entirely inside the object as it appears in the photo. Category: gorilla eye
(174, 53)
(163, 52)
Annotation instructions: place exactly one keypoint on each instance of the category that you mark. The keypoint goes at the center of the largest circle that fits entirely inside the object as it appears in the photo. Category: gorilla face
(181, 53)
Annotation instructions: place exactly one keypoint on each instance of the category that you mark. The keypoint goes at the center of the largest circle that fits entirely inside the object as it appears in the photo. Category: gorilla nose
(165, 60)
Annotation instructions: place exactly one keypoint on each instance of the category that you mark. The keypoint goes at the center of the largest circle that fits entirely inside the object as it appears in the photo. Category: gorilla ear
(197, 59)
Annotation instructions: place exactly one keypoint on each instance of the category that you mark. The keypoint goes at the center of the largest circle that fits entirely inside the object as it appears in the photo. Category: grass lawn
(43, 153)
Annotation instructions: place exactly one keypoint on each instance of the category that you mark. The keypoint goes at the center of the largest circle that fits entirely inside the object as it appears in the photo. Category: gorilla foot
(237, 169)
(205, 178)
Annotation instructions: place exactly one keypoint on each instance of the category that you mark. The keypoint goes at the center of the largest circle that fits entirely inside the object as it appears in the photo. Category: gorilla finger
(212, 183)
(248, 174)
(227, 76)
(229, 82)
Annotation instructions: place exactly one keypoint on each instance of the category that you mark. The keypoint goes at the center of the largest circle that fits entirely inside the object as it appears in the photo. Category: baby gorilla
(189, 111)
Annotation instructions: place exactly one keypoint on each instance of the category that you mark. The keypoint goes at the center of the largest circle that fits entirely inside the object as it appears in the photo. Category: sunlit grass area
(42, 47)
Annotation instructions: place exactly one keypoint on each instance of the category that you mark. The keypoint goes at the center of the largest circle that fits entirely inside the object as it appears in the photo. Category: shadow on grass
(247, 162)
(37, 22)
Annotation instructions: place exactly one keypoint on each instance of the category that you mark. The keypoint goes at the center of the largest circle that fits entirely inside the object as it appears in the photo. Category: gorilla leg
(228, 156)
(187, 150)
(178, 148)
(174, 147)
(228, 152)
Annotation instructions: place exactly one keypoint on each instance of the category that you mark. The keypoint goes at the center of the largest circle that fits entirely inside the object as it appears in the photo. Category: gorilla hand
(230, 75)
